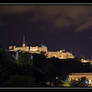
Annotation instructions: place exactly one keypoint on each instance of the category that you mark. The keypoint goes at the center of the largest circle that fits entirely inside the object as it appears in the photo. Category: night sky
(57, 27)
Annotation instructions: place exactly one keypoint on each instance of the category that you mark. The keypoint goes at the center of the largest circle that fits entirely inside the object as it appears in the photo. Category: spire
(23, 38)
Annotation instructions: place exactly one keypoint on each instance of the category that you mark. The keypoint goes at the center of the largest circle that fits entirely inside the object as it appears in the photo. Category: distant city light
(87, 82)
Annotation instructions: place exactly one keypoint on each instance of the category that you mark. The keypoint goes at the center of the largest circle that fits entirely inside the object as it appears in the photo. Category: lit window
(89, 81)
(76, 79)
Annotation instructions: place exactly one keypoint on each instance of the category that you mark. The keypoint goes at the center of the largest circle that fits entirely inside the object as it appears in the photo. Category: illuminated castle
(25, 48)
(39, 49)
(57, 54)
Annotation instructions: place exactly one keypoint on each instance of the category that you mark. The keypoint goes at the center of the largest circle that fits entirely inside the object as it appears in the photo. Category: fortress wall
(59, 54)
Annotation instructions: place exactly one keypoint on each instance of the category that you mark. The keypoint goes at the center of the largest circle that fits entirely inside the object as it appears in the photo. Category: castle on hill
(62, 54)
(25, 48)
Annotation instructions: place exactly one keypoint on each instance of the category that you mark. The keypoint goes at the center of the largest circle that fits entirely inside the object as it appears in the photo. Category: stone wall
(60, 55)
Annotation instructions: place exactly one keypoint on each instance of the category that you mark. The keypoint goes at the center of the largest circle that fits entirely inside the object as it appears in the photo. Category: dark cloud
(64, 16)
(57, 16)
(87, 24)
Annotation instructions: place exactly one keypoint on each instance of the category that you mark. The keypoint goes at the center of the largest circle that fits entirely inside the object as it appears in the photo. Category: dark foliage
(41, 70)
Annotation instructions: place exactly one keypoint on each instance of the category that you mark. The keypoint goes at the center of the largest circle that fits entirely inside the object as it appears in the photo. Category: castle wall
(58, 54)
(36, 48)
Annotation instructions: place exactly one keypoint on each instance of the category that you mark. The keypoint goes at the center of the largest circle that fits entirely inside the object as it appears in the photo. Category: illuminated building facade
(14, 48)
(25, 48)
(84, 61)
(59, 54)
(40, 49)
(78, 76)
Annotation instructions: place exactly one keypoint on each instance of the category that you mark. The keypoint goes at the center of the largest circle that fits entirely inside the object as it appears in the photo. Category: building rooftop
(81, 73)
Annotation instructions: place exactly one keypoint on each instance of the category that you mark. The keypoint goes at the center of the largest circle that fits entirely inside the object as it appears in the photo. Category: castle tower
(23, 41)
